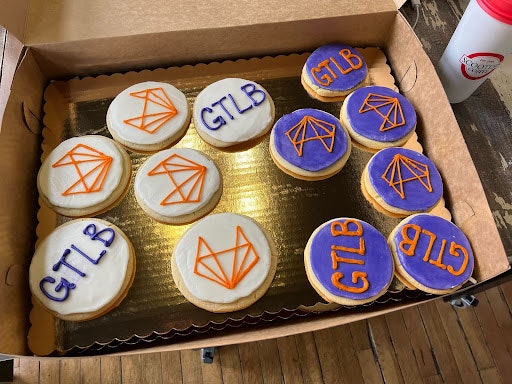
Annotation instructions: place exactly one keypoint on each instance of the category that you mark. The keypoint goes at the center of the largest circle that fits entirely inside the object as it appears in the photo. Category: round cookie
(84, 176)
(399, 182)
(232, 112)
(348, 262)
(332, 71)
(225, 262)
(178, 185)
(82, 270)
(431, 253)
(378, 117)
(148, 116)
(309, 144)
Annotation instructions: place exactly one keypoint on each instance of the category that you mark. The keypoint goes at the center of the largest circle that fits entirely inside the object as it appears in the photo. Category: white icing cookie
(84, 176)
(149, 116)
(233, 111)
(82, 270)
(224, 262)
(178, 185)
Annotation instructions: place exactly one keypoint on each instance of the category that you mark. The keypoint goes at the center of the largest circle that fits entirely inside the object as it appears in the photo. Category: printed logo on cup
(478, 65)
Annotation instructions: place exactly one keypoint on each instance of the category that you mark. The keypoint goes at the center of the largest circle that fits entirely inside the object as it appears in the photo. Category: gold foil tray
(290, 209)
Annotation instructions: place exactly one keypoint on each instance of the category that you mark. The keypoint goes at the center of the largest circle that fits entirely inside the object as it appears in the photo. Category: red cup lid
(499, 9)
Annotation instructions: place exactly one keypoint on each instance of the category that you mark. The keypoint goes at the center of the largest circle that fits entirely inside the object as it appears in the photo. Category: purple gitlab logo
(478, 65)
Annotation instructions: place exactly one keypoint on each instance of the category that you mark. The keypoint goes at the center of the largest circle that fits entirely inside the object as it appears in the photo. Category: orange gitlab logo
(403, 170)
(187, 178)
(91, 166)
(387, 107)
(226, 267)
(309, 129)
(157, 110)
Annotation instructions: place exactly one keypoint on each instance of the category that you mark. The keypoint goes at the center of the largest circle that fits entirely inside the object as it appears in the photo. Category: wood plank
(151, 365)
(308, 357)
(250, 363)
(364, 352)
(386, 356)
(500, 309)
(495, 338)
(491, 375)
(90, 370)
(475, 338)
(506, 289)
(212, 373)
(191, 366)
(49, 370)
(400, 338)
(328, 355)
(461, 351)
(342, 339)
(442, 351)
(269, 360)
(171, 367)
(29, 371)
(231, 367)
(70, 371)
(422, 349)
(111, 370)
(290, 360)
(131, 368)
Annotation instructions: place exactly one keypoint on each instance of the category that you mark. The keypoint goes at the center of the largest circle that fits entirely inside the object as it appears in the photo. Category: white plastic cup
(478, 46)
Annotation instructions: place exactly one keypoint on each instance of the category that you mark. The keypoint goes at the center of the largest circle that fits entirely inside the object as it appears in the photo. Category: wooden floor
(431, 343)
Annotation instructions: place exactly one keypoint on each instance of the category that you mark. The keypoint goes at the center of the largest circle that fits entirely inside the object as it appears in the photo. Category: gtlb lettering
(231, 106)
(352, 230)
(330, 69)
(439, 252)
(57, 287)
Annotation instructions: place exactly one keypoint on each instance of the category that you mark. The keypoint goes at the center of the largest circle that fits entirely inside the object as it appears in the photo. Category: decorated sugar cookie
(431, 253)
(84, 176)
(309, 144)
(400, 182)
(224, 262)
(348, 262)
(148, 116)
(332, 71)
(233, 111)
(82, 270)
(378, 117)
(178, 185)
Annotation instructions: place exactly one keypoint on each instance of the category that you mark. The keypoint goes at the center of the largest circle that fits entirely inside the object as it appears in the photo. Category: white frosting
(54, 181)
(219, 232)
(243, 119)
(126, 107)
(155, 188)
(101, 282)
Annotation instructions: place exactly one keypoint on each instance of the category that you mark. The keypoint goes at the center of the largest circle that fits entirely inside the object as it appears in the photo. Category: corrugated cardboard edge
(464, 191)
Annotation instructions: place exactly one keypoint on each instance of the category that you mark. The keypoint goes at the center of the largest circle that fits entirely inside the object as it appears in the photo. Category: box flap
(60, 21)
(13, 17)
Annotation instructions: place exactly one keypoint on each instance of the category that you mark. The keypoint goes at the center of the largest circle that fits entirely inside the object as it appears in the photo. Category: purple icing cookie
(403, 181)
(334, 70)
(378, 117)
(348, 261)
(309, 144)
(431, 253)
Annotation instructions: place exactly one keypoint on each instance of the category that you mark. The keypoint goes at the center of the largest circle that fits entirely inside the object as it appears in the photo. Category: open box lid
(114, 34)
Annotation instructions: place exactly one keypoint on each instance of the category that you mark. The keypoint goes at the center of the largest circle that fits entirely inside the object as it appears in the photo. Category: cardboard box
(66, 39)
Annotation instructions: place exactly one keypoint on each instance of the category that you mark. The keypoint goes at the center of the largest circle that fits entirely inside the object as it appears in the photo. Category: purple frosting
(353, 240)
(310, 133)
(374, 112)
(443, 267)
(421, 186)
(336, 67)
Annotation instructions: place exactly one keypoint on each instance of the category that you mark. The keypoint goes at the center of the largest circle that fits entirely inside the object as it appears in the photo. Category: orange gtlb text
(339, 228)
(408, 246)
(329, 69)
